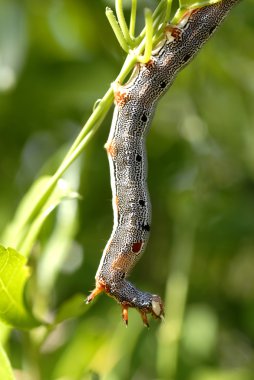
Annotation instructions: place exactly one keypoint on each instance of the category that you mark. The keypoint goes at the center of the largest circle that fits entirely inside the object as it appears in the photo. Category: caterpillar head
(157, 307)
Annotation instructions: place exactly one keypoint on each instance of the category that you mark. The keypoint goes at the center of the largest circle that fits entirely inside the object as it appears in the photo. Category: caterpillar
(135, 103)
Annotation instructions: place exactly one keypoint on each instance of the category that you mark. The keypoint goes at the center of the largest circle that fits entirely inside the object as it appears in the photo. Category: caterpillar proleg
(135, 103)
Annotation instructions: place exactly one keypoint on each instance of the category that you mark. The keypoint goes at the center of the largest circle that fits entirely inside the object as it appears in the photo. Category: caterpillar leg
(143, 315)
(144, 318)
(125, 313)
(155, 308)
(100, 287)
(143, 312)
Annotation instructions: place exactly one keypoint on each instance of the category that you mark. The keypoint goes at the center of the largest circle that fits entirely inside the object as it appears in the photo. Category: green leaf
(5, 366)
(13, 278)
(73, 307)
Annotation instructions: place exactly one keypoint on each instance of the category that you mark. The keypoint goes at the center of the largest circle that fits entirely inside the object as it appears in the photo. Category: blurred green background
(56, 59)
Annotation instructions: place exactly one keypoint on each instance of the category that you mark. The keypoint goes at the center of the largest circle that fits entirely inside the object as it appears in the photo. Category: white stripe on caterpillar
(134, 106)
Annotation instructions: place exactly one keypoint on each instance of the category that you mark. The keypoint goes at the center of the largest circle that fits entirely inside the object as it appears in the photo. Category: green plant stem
(168, 11)
(117, 30)
(157, 18)
(148, 37)
(133, 18)
(122, 22)
(91, 125)
(162, 22)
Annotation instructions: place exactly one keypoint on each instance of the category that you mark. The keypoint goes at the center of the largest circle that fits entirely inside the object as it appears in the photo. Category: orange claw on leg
(98, 289)
(144, 318)
(125, 314)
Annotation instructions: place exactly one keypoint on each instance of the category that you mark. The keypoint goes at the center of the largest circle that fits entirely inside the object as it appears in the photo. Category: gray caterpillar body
(135, 104)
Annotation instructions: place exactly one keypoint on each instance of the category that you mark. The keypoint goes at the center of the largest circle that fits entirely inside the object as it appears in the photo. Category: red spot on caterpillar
(173, 32)
(121, 97)
(136, 247)
(149, 67)
(111, 148)
(150, 64)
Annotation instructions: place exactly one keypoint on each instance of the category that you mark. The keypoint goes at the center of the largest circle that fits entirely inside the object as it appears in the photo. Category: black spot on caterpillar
(186, 58)
(145, 227)
(126, 144)
(211, 29)
(144, 117)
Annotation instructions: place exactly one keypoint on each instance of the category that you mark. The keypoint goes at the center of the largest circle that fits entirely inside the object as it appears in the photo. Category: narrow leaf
(72, 308)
